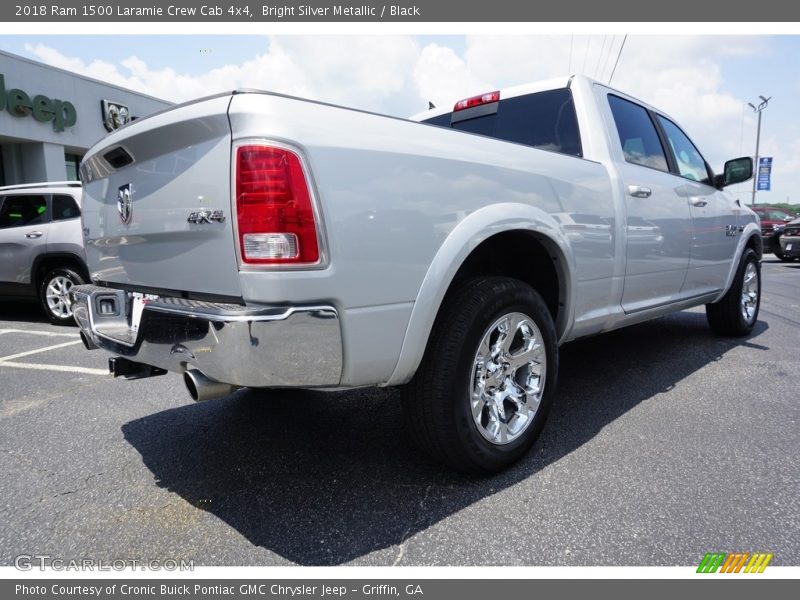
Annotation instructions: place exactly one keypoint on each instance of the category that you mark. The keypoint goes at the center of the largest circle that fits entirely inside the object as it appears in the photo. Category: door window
(65, 207)
(691, 164)
(637, 134)
(18, 211)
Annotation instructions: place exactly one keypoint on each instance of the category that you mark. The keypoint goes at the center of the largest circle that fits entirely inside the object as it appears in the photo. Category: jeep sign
(18, 103)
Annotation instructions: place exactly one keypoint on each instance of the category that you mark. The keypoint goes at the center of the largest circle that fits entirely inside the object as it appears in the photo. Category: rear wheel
(737, 312)
(482, 393)
(54, 294)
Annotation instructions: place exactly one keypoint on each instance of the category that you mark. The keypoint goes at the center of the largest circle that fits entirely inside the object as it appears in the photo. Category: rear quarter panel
(392, 193)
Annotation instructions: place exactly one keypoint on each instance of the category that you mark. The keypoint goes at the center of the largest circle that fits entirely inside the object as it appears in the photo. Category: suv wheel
(54, 294)
(736, 314)
(483, 390)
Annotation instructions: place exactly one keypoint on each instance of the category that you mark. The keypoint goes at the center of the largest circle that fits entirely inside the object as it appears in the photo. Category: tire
(53, 294)
(737, 312)
(466, 364)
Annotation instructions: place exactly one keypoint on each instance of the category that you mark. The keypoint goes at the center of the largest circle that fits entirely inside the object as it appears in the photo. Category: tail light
(274, 213)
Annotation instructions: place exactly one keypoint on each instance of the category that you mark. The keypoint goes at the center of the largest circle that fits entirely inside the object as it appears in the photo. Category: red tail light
(477, 101)
(274, 213)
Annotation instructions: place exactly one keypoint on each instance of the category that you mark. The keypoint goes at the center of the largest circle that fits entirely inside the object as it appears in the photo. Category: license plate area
(116, 314)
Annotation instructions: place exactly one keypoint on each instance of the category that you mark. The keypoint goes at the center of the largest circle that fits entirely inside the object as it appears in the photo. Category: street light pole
(758, 109)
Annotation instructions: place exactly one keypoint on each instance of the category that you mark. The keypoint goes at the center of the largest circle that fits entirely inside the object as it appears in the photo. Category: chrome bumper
(298, 346)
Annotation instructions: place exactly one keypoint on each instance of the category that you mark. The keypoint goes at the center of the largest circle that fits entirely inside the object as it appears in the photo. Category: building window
(73, 161)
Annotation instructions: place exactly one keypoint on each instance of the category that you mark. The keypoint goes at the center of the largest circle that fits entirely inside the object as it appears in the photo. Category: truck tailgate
(157, 203)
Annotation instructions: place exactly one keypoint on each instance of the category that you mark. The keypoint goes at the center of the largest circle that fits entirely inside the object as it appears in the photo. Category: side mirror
(736, 170)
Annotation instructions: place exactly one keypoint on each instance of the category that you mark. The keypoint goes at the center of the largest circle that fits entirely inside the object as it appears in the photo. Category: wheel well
(61, 260)
(756, 244)
(524, 256)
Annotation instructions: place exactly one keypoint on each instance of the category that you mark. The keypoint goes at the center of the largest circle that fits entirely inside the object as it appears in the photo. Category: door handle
(697, 201)
(33, 235)
(639, 191)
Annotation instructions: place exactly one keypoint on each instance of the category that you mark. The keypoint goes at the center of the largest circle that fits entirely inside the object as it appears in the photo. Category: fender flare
(462, 240)
(750, 231)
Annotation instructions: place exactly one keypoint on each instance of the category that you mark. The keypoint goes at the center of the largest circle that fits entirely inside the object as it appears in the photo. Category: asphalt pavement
(665, 442)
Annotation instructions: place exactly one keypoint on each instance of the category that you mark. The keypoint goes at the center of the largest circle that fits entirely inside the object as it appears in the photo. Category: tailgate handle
(33, 235)
(639, 191)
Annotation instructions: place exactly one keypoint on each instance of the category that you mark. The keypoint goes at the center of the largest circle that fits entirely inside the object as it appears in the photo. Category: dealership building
(49, 118)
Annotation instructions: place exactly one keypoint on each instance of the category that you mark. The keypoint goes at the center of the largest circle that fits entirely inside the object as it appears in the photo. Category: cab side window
(637, 134)
(65, 207)
(18, 211)
(691, 165)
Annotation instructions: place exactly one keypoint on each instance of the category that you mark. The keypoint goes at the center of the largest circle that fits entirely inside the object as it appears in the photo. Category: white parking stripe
(29, 352)
(36, 332)
(64, 368)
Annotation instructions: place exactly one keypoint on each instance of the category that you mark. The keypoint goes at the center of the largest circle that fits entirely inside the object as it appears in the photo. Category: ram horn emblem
(125, 203)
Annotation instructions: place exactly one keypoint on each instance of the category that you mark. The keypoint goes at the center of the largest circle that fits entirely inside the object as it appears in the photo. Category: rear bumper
(286, 346)
(790, 246)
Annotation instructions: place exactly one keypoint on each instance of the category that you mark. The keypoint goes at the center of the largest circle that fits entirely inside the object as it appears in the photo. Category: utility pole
(757, 110)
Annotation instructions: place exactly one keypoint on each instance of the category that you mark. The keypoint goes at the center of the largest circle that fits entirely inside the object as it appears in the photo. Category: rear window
(545, 120)
(65, 207)
(18, 211)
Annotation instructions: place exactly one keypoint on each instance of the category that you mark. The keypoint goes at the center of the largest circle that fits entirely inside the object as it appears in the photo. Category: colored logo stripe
(758, 563)
(733, 563)
(711, 562)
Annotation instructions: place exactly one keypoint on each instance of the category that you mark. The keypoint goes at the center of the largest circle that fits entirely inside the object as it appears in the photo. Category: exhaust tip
(88, 344)
(191, 384)
(202, 388)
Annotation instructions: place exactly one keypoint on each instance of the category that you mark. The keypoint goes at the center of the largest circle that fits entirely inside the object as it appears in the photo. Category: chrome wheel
(750, 286)
(508, 378)
(57, 296)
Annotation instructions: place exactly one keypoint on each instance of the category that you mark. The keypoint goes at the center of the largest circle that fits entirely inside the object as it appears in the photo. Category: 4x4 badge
(206, 216)
(125, 203)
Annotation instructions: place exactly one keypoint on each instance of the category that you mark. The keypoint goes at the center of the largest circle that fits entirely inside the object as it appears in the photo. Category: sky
(703, 81)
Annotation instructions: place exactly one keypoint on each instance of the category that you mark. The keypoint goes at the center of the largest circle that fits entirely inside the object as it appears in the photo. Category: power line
(586, 55)
(614, 70)
(600, 56)
(608, 57)
(571, 42)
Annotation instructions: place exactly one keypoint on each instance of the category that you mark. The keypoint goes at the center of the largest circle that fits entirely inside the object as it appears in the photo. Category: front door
(714, 233)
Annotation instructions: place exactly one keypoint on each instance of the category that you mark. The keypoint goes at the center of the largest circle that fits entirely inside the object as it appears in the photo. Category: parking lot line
(64, 368)
(29, 352)
(36, 332)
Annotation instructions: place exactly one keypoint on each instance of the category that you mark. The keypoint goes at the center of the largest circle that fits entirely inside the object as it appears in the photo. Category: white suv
(41, 245)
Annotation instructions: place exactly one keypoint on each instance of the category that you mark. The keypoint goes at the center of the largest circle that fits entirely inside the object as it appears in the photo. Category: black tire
(727, 317)
(436, 403)
(60, 314)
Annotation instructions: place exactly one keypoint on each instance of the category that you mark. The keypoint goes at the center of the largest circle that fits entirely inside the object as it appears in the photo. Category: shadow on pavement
(323, 479)
(27, 311)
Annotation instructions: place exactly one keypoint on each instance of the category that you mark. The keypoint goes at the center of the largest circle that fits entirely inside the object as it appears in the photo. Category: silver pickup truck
(254, 239)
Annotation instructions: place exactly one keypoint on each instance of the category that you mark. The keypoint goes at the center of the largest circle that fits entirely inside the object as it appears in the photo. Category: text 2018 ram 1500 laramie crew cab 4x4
(254, 239)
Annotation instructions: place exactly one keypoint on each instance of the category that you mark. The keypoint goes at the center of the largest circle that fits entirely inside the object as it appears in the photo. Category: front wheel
(737, 312)
(54, 294)
(483, 390)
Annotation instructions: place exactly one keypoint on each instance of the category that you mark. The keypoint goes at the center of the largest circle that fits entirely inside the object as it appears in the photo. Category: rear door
(656, 263)
(23, 235)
